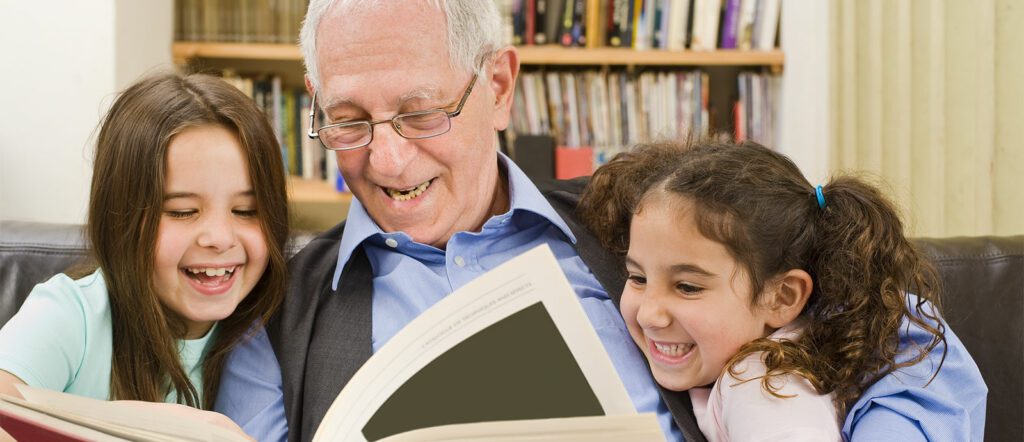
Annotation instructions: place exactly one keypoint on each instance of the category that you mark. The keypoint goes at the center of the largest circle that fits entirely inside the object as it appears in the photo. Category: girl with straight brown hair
(187, 225)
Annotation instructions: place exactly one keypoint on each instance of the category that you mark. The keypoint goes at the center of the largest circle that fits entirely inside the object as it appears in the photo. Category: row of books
(287, 109)
(608, 111)
(644, 24)
(638, 24)
(248, 21)
(754, 110)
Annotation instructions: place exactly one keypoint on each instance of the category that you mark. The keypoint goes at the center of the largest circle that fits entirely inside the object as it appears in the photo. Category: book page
(514, 344)
(632, 428)
(26, 424)
(122, 420)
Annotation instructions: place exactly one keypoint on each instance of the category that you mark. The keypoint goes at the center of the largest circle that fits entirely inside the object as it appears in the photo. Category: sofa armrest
(983, 302)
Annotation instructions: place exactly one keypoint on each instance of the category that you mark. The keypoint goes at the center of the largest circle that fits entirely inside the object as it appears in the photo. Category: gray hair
(474, 31)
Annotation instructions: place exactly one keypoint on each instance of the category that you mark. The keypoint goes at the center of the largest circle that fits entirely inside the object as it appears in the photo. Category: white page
(123, 418)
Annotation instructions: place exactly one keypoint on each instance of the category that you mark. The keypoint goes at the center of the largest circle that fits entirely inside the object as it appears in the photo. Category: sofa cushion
(31, 253)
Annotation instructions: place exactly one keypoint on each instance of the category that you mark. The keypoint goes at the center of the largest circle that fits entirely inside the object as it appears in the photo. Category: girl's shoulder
(89, 291)
(795, 412)
(70, 319)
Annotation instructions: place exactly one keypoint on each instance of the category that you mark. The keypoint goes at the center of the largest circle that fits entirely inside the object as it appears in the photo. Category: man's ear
(788, 297)
(309, 85)
(502, 81)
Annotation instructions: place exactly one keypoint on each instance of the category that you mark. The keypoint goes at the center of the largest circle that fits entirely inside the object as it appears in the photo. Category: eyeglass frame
(315, 134)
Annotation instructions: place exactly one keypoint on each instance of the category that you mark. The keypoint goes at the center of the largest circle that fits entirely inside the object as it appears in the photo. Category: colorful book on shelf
(572, 162)
(730, 23)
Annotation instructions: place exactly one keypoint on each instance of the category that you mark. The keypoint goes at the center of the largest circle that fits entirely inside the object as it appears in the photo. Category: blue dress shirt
(904, 406)
(897, 407)
(251, 392)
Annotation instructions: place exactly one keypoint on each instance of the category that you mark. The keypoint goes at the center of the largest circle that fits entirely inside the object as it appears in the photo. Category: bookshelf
(315, 205)
(184, 52)
(671, 89)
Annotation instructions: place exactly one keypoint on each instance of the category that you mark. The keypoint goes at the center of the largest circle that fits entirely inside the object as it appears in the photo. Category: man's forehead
(360, 97)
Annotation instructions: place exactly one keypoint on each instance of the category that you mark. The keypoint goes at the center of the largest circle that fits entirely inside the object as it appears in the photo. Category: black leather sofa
(983, 294)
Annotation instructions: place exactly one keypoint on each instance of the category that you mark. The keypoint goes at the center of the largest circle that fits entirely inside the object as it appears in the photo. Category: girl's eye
(245, 213)
(688, 289)
(180, 214)
(636, 279)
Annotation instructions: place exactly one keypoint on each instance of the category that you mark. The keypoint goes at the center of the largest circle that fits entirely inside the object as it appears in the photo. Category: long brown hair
(125, 208)
(757, 204)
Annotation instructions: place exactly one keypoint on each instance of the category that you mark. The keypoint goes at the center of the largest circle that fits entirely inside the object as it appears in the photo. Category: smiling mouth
(210, 276)
(408, 194)
(673, 350)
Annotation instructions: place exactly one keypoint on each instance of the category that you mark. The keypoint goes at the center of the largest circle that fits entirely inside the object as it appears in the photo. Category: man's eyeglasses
(351, 135)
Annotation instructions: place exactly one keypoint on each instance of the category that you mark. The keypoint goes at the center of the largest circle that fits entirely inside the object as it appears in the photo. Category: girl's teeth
(673, 349)
(211, 271)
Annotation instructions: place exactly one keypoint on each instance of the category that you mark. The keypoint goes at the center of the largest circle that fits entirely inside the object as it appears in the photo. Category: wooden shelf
(315, 191)
(555, 55)
(528, 55)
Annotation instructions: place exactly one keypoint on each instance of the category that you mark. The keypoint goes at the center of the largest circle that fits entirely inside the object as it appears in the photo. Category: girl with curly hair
(773, 302)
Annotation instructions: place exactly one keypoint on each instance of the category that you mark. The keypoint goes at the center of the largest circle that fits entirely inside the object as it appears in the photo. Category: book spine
(553, 20)
(729, 23)
(745, 27)
(593, 24)
(530, 18)
(579, 24)
(768, 19)
(567, 18)
(540, 36)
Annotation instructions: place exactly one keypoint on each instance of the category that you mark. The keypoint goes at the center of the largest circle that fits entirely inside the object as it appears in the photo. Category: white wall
(805, 104)
(62, 65)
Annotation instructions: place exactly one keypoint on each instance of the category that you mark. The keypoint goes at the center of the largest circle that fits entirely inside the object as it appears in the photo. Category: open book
(46, 415)
(509, 356)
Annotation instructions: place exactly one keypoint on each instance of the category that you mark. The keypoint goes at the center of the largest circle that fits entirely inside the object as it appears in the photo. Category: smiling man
(412, 94)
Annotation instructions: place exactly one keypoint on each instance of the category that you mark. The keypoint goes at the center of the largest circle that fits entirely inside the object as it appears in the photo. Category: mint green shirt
(61, 339)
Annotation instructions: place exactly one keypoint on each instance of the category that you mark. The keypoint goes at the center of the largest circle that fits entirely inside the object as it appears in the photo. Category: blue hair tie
(821, 197)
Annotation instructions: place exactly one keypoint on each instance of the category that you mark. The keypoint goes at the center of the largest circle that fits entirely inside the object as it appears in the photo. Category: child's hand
(188, 413)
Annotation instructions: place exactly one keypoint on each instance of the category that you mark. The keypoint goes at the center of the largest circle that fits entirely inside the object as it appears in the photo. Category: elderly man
(413, 94)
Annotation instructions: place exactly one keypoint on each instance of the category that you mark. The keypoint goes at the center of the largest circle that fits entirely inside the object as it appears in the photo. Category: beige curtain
(929, 94)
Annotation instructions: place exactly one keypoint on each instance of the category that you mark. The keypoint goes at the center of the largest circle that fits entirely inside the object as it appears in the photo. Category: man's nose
(390, 153)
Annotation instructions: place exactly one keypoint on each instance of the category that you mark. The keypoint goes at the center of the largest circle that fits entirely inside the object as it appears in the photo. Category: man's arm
(250, 390)
(902, 407)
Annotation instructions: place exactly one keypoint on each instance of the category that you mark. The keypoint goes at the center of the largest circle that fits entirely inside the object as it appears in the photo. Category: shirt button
(460, 262)
(391, 242)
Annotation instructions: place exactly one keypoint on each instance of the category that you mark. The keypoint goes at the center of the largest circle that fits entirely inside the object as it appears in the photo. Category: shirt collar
(523, 196)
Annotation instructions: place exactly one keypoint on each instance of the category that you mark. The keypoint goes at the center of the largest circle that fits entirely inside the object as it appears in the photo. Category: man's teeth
(408, 194)
(211, 271)
(673, 349)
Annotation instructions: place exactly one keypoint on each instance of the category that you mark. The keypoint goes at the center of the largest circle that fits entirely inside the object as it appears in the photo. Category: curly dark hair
(757, 204)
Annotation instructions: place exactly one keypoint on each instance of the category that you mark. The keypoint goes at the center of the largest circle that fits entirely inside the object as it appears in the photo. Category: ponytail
(864, 267)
